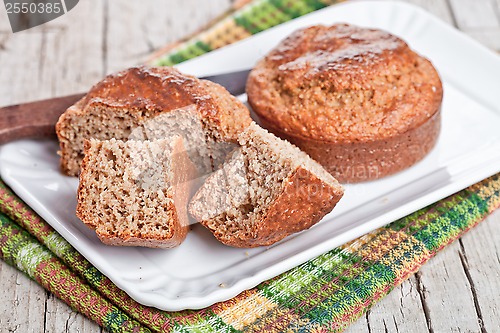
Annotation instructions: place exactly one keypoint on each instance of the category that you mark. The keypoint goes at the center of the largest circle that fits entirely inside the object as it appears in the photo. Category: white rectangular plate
(202, 271)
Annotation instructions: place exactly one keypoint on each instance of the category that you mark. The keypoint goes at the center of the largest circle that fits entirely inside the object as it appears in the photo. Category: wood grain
(22, 302)
(480, 19)
(410, 317)
(447, 294)
(480, 258)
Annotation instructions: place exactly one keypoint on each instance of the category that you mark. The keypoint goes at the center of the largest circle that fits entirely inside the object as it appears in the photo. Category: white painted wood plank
(60, 318)
(19, 58)
(22, 302)
(488, 37)
(184, 18)
(73, 57)
(142, 28)
(446, 293)
(467, 22)
(479, 19)
(439, 8)
(400, 311)
(481, 259)
(475, 14)
(62, 57)
(497, 8)
(359, 326)
(4, 20)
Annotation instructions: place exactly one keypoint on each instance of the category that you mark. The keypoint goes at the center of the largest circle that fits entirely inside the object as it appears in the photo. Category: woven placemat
(326, 293)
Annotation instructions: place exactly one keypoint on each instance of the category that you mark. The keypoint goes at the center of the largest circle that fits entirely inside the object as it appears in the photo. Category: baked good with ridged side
(359, 101)
(267, 190)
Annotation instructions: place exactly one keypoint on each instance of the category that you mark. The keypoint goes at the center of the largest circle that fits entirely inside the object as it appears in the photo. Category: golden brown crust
(134, 241)
(175, 238)
(161, 89)
(82, 192)
(65, 144)
(348, 97)
(184, 182)
(303, 202)
(142, 93)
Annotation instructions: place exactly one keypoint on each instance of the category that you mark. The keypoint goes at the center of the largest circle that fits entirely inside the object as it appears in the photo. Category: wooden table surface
(457, 291)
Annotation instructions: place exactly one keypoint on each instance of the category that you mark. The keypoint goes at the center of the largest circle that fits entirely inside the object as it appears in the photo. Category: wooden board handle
(35, 119)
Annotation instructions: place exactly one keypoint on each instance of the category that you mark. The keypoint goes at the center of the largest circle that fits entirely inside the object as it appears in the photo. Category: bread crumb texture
(267, 190)
(126, 192)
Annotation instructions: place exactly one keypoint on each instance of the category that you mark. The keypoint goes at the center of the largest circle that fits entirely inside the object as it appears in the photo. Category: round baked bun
(359, 101)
